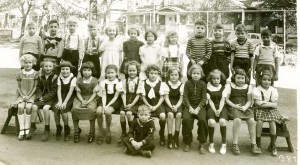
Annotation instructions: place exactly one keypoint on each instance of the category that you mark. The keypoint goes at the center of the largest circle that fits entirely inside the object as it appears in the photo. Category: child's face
(218, 33)
(65, 71)
(111, 74)
(86, 72)
(150, 38)
(266, 81)
(153, 75)
(240, 80)
(53, 29)
(144, 116)
(200, 30)
(241, 35)
(173, 39)
(215, 80)
(174, 76)
(133, 34)
(28, 65)
(72, 27)
(111, 32)
(48, 67)
(93, 31)
(132, 71)
(196, 74)
(266, 40)
(31, 30)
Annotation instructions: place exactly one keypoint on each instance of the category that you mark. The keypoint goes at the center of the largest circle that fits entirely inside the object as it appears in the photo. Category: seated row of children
(89, 99)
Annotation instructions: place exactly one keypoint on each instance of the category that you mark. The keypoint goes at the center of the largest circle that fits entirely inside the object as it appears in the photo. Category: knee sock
(162, 125)
(92, 126)
(123, 127)
(27, 121)
(67, 129)
(258, 142)
(223, 133)
(129, 124)
(273, 140)
(47, 127)
(21, 121)
(58, 129)
(211, 131)
(33, 125)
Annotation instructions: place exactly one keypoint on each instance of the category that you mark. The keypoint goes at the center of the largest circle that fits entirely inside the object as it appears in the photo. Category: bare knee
(211, 123)
(109, 111)
(46, 108)
(222, 122)
(170, 115)
(178, 116)
(99, 111)
(122, 113)
(128, 114)
(28, 108)
(237, 121)
(162, 116)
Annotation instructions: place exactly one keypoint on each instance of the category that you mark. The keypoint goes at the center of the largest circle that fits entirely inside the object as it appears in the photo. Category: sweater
(142, 131)
(195, 92)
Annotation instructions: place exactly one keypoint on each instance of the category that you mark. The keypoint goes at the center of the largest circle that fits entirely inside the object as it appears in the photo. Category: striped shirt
(198, 49)
(244, 50)
(221, 48)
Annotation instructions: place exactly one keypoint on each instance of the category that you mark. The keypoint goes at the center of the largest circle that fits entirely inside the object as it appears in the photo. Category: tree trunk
(5, 21)
(23, 25)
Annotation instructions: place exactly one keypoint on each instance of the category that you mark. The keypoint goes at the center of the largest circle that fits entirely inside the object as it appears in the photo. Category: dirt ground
(52, 152)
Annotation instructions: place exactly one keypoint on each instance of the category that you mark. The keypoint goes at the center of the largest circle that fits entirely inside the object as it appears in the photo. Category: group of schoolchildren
(151, 86)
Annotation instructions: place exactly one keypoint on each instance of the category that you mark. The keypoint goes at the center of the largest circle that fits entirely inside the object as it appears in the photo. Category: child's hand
(129, 106)
(197, 110)
(243, 108)
(191, 110)
(58, 105)
(193, 61)
(64, 105)
(174, 108)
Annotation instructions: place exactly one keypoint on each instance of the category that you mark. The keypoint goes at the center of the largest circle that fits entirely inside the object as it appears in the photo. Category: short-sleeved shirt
(244, 50)
(66, 80)
(270, 94)
(26, 79)
(212, 88)
(153, 84)
(151, 54)
(110, 86)
(266, 54)
(234, 86)
(31, 44)
(179, 85)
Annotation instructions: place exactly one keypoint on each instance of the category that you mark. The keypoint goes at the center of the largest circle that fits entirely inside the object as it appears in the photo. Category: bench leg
(17, 125)
(289, 143)
(6, 124)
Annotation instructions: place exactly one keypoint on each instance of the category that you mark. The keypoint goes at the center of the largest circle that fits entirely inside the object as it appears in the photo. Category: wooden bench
(11, 112)
(281, 131)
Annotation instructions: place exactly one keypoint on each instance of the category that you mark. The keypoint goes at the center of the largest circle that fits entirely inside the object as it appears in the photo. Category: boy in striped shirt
(242, 51)
(198, 48)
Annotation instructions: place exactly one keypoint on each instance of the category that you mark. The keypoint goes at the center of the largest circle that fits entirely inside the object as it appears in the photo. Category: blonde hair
(144, 109)
(216, 72)
(193, 67)
(27, 57)
(112, 26)
(168, 36)
(72, 19)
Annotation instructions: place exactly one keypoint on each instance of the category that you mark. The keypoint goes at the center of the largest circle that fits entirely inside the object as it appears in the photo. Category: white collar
(264, 90)
(174, 86)
(27, 72)
(245, 86)
(152, 84)
(272, 45)
(134, 80)
(65, 78)
(213, 88)
(115, 81)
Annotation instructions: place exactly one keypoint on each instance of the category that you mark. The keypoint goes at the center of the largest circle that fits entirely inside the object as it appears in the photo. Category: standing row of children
(167, 99)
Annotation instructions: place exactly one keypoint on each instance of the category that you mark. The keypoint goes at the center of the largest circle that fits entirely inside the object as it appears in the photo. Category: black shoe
(45, 136)
(99, 140)
(108, 139)
(201, 149)
(187, 148)
(147, 154)
(91, 137)
(31, 132)
(170, 142)
(67, 133)
(120, 140)
(76, 137)
(162, 140)
(126, 151)
(58, 132)
(175, 142)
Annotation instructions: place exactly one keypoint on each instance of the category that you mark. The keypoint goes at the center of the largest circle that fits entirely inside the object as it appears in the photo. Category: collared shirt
(150, 54)
(92, 45)
(174, 86)
(152, 85)
(110, 86)
(267, 54)
(212, 88)
(270, 94)
(234, 86)
(66, 80)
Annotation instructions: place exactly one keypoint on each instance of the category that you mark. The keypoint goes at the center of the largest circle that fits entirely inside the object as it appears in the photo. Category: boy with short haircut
(91, 47)
(140, 139)
(31, 44)
(52, 45)
(73, 45)
(266, 57)
(220, 51)
(199, 48)
(242, 51)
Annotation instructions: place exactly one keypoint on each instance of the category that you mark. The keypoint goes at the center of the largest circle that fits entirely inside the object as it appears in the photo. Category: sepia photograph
(152, 82)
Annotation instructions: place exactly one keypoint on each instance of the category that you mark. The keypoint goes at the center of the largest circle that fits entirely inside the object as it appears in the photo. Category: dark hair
(218, 26)
(171, 70)
(193, 67)
(152, 32)
(266, 32)
(152, 67)
(215, 72)
(88, 65)
(241, 27)
(66, 64)
(53, 21)
(137, 65)
(264, 73)
(200, 22)
(133, 28)
(239, 71)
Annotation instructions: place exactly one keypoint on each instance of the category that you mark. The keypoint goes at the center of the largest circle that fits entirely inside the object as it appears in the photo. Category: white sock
(21, 121)
(27, 121)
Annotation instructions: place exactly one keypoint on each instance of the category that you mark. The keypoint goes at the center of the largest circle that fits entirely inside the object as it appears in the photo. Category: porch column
(157, 18)
(144, 18)
(243, 16)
